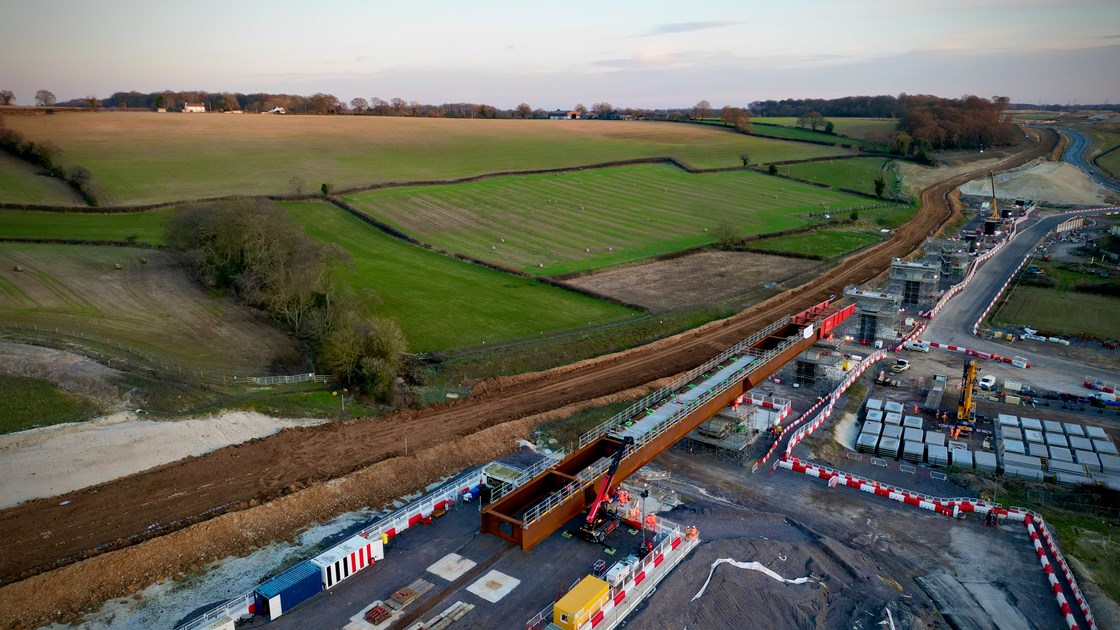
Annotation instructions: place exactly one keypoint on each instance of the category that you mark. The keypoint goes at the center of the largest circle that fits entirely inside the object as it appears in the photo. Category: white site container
(1080, 443)
(1058, 453)
(914, 451)
(1012, 433)
(1057, 439)
(984, 460)
(962, 458)
(1105, 447)
(347, 558)
(937, 455)
(888, 447)
(1090, 459)
(1095, 432)
(867, 443)
(1073, 429)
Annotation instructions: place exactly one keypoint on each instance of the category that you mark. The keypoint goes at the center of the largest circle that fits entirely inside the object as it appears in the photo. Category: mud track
(44, 534)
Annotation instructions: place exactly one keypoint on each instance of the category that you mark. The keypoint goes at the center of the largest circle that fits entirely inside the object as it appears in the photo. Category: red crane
(597, 527)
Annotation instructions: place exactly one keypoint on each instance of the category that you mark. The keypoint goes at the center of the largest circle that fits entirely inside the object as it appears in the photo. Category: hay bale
(143, 261)
(540, 265)
(118, 266)
(587, 250)
(17, 268)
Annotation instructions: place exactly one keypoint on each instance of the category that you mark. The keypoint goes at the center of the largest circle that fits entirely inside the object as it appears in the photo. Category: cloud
(686, 27)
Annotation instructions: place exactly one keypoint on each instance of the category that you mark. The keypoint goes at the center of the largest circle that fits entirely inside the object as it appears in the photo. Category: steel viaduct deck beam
(504, 517)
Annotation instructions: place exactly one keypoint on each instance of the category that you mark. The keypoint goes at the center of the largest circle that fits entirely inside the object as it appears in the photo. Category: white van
(917, 346)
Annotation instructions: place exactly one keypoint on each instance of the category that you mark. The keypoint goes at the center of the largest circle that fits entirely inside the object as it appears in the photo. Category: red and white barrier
(955, 506)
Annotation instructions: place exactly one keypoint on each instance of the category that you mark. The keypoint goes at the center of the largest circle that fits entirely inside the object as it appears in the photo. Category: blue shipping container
(287, 590)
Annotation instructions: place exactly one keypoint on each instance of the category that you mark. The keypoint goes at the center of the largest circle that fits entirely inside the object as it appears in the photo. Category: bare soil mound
(1057, 183)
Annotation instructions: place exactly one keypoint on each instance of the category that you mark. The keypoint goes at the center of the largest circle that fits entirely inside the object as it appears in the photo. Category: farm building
(193, 107)
(561, 114)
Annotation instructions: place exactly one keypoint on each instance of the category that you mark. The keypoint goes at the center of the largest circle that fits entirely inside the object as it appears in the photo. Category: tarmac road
(1075, 155)
(44, 534)
(953, 325)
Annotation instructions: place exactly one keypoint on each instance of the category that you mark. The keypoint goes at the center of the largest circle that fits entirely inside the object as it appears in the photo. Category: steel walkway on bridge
(549, 496)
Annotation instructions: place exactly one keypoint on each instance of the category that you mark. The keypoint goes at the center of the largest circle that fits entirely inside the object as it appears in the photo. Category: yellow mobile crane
(995, 210)
(966, 409)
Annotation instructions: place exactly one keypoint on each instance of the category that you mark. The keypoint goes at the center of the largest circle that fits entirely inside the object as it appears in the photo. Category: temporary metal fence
(669, 390)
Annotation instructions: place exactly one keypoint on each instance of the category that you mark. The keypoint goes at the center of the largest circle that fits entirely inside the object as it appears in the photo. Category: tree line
(46, 156)
(253, 250)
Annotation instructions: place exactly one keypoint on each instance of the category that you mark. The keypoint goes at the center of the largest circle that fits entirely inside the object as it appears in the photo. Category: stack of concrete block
(984, 460)
(938, 455)
(874, 415)
(914, 450)
(893, 417)
(936, 438)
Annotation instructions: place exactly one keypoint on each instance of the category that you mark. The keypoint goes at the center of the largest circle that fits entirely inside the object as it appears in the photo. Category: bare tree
(93, 102)
(728, 114)
(359, 105)
(523, 110)
(581, 109)
(703, 109)
(398, 105)
(44, 98)
(602, 109)
(7, 97)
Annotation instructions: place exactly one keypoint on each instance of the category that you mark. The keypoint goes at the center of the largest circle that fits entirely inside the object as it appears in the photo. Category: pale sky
(562, 52)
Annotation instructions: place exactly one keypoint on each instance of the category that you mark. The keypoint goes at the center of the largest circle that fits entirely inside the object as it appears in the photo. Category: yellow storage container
(581, 603)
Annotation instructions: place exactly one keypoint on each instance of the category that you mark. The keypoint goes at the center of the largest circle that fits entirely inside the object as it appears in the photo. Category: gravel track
(44, 534)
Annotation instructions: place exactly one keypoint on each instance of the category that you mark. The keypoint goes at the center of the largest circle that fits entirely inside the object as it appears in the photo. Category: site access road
(953, 325)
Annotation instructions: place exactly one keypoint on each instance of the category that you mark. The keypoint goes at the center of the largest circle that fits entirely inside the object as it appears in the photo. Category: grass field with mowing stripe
(566, 222)
(855, 173)
(826, 243)
(440, 302)
(141, 227)
(1060, 312)
(151, 308)
(148, 157)
(857, 128)
(21, 183)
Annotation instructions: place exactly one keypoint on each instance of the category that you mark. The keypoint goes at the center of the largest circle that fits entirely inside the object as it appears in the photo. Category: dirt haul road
(48, 533)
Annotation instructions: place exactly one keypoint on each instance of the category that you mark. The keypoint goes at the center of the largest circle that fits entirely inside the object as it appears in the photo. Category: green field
(824, 243)
(1110, 162)
(32, 402)
(149, 157)
(140, 227)
(560, 223)
(1060, 312)
(143, 309)
(858, 128)
(438, 301)
(783, 131)
(21, 183)
(855, 173)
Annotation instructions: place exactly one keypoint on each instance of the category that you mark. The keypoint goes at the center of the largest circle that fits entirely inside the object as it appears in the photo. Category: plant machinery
(600, 522)
(966, 409)
(995, 210)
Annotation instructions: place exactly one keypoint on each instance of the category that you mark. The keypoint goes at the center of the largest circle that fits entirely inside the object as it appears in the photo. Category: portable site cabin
(585, 599)
(287, 590)
(346, 559)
